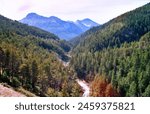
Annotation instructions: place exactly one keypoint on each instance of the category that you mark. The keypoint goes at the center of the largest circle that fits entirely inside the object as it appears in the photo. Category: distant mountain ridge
(63, 29)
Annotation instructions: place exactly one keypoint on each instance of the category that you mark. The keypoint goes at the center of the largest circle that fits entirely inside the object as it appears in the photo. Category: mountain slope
(119, 51)
(75, 41)
(29, 60)
(42, 38)
(64, 29)
(125, 28)
(24, 30)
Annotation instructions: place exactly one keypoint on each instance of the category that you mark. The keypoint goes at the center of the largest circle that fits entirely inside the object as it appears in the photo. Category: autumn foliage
(101, 88)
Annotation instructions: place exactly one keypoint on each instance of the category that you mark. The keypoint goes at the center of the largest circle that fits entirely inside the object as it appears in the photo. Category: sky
(99, 11)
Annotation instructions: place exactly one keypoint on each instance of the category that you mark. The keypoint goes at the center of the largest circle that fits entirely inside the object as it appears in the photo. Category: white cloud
(98, 10)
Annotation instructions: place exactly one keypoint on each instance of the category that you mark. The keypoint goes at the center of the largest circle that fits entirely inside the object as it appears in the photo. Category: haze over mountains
(63, 29)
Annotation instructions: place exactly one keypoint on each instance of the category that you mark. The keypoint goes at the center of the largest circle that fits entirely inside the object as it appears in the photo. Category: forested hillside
(125, 28)
(118, 52)
(29, 60)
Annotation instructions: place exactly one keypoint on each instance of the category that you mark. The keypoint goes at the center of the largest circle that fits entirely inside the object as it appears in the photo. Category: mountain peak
(32, 15)
(35, 16)
(89, 23)
(86, 19)
(86, 23)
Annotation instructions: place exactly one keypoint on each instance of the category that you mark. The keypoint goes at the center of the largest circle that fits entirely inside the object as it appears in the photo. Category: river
(85, 87)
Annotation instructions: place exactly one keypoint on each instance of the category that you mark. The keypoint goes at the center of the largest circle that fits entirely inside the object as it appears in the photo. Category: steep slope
(42, 38)
(118, 51)
(7, 25)
(29, 60)
(64, 29)
(125, 28)
(75, 41)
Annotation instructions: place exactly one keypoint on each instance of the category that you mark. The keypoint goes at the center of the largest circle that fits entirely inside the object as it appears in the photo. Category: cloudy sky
(98, 10)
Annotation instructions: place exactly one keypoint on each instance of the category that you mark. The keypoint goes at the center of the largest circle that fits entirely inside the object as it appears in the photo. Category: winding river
(85, 87)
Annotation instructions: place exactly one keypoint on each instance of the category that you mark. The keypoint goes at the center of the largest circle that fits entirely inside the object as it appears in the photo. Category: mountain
(46, 39)
(76, 40)
(64, 29)
(85, 24)
(117, 53)
(113, 58)
(125, 28)
(30, 61)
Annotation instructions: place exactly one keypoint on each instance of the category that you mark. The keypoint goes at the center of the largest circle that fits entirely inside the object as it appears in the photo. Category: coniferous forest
(113, 58)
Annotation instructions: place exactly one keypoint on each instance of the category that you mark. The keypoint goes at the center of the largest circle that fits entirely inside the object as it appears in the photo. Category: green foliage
(76, 90)
(127, 67)
(29, 59)
(120, 51)
(14, 32)
(132, 90)
(125, 28)
(147, 92)
(8, 27)
(16, 82)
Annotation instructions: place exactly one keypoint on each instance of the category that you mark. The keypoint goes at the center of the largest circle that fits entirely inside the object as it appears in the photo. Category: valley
(82, 83)
(109, 60)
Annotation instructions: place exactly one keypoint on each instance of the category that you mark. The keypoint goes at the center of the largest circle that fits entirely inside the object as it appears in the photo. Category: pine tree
(65, 89)
(76, 90)
(34, 75)
(147, 91)
(2, 57)
(132, 92)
